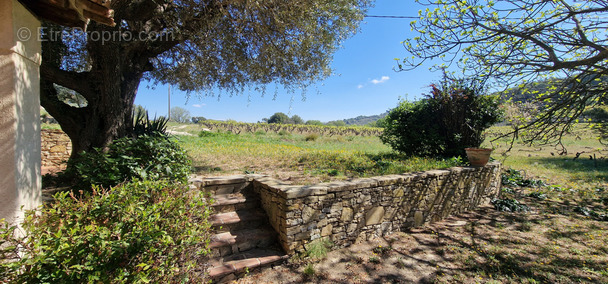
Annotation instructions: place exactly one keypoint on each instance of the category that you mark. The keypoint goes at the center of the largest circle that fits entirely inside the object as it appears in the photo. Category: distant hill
(364, 119)
(529, 94)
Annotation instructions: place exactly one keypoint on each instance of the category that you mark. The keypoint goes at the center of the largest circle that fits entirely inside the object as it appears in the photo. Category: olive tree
(198, 46)
(279, 118)
(560, 43)
(180, 114)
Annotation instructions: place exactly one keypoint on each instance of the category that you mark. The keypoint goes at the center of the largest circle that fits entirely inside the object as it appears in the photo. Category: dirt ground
(484, 246)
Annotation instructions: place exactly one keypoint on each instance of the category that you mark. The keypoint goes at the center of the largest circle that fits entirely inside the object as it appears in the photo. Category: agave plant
(143, 125)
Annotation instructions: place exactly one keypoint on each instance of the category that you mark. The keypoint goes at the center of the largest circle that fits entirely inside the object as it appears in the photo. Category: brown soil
(474, 247)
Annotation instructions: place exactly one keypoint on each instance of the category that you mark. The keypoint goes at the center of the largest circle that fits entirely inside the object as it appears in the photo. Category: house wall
(19, 111)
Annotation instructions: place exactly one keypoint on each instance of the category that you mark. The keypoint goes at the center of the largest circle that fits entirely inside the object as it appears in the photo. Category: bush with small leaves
(143, 157)
(311, 137)
(139, 232)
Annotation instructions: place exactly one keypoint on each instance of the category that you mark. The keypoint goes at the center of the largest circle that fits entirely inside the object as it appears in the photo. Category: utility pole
(169, 108)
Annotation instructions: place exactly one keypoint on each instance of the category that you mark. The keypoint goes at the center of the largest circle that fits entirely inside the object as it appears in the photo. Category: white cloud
(382, 80)
(360, 86)
(198, 105)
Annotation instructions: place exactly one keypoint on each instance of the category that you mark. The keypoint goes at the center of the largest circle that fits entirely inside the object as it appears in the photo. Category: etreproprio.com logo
(45, 34)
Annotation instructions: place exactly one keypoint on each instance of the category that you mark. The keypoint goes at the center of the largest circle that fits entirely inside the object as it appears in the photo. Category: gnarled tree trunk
(109, 87)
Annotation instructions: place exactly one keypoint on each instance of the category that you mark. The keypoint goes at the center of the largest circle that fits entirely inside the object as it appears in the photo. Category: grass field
(337, 157)
(584, 174)
(560, 238)
(302, 159)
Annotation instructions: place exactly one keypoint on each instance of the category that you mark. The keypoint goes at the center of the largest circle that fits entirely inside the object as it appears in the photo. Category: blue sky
(364, 82)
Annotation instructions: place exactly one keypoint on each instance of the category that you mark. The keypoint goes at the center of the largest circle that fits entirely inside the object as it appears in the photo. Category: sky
(364, 83)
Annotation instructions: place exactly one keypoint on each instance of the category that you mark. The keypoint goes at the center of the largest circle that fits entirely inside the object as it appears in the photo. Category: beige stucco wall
(19, 111)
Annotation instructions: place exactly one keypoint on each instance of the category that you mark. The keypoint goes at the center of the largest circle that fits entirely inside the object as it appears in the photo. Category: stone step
(221, 185)
(235, 220)
(234, 201)
(227, 268)
(226, 243)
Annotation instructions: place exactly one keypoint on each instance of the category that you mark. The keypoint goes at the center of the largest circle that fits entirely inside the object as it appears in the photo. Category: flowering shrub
(452, 117)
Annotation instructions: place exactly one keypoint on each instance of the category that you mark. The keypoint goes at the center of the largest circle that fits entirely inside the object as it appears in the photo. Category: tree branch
(77, 81)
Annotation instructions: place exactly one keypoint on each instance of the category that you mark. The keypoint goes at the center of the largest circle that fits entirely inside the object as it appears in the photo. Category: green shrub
(309, 270)
(206, 133)
(318, 248)
(444, 123)
(144, 157)
(312, 137)
(150, 231)
(509, 205)
(512, 177)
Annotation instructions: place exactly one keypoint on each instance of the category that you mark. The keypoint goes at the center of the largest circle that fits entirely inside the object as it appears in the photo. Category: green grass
(338, 157)
(545, 162)
(324, 158)
(50, 126)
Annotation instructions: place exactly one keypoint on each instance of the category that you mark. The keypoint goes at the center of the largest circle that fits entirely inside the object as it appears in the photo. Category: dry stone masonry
(350, 211)
(56, 147)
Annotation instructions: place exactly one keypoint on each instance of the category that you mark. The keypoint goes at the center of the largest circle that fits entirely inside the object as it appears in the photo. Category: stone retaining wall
(56, 147)
(349, 211)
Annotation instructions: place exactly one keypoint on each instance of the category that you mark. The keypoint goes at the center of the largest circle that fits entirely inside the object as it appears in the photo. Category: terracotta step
(250, 259)
(226, 243)
(235, 220)
(234, 201)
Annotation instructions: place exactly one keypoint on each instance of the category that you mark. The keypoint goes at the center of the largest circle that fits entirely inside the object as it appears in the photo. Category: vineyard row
(242, 127)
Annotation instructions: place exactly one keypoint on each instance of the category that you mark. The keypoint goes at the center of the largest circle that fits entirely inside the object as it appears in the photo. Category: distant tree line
(282, 118)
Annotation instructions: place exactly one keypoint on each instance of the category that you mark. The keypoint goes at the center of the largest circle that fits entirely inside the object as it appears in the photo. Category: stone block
(296, 206)
(338, 237)
(347, 214)
(225, 180)
(303, 235)
(351, 228)
(374, 216)
(327, 230)
(294, 230)
(58, 149)
(303, 191)
(418, 218)
(309, 214)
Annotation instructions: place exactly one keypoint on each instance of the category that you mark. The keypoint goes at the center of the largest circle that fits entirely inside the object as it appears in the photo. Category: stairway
(243, 240)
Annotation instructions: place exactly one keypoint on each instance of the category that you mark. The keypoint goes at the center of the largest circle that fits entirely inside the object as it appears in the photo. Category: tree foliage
(521, 42)
(198, 46)
(180, 114)
(336, 123)
(314, 122)
(296, 119)
(197, 119)
(279, 118)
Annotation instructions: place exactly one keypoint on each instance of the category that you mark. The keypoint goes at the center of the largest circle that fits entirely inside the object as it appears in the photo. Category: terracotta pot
(478, 157)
